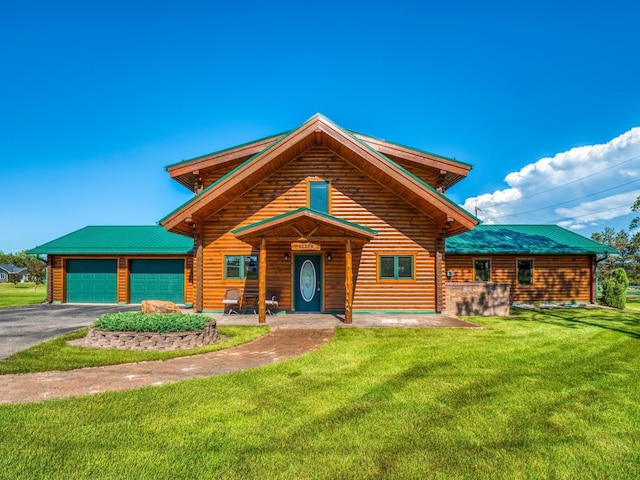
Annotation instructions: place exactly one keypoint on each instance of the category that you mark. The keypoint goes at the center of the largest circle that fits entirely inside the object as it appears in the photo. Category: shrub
(614, 289)
(154, 322)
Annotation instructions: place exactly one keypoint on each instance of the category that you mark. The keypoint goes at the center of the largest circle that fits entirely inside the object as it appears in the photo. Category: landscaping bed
(158, 332)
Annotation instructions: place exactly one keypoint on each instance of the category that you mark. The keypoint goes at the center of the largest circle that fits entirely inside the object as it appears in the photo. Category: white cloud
(580, 188)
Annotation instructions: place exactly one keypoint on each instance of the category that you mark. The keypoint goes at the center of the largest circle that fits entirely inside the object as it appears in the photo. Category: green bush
(153, 322)
(614, 289)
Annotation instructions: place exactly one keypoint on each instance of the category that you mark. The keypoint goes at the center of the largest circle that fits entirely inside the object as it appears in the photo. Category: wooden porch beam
(348, 283)
(440, 274)
(262, 282)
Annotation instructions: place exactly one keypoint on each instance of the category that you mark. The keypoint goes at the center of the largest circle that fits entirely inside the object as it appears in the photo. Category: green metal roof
(114, 240)
(523, 239)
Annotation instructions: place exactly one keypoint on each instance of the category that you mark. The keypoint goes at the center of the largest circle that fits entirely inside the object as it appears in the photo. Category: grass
(56, 354)
(21, 294)
(542, 394)
(633, 305)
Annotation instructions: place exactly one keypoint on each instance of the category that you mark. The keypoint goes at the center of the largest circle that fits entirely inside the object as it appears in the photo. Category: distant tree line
(36, 267)
(629, 258)
(627, 243)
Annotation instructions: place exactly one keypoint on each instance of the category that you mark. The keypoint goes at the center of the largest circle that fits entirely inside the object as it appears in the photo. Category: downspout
(606, 255)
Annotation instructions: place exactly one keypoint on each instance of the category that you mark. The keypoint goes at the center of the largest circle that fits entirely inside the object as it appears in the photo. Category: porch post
(199, 273)
(262, 283)
(593, 294)
(348, 283)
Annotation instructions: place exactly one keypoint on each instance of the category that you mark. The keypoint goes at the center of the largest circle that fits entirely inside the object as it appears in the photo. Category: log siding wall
(556, 278)
(355, 197)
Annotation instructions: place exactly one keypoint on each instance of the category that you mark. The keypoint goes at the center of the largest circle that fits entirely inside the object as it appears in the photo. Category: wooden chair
(231, 301)
(272, 301)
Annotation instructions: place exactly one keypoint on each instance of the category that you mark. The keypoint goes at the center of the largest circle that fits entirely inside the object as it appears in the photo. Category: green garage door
(91, 281)
(156, 280)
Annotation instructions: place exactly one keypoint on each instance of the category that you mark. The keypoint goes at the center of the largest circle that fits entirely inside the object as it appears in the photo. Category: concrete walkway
(290, 336)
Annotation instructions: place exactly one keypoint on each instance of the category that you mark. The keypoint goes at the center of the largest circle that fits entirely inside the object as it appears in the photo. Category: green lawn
(56, 354)
(21, 294)
(543, 394)
(633, 305)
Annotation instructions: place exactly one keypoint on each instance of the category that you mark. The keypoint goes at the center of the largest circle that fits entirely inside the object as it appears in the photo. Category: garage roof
(116, 240)
(523, 239)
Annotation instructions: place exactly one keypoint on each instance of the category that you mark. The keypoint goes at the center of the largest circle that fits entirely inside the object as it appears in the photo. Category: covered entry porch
(315, 260)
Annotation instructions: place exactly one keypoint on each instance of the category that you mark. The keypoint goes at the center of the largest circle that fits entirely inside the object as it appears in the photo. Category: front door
(308, 283)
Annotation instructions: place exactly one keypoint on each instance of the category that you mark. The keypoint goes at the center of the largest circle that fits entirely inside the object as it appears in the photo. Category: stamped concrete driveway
(22, 327)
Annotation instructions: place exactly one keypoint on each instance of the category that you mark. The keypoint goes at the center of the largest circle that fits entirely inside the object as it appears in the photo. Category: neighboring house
(6, 270)
(331, 220)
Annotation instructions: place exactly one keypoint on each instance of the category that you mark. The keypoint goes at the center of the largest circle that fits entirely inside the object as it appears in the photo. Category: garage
(156, 279)
(91, 280)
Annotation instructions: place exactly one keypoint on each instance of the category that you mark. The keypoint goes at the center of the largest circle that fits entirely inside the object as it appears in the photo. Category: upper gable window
(318, 196)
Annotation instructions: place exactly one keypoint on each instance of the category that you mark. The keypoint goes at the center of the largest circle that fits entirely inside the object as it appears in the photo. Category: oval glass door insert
(307, 280)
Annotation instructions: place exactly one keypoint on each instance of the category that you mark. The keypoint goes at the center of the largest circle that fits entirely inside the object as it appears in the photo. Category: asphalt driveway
(22, 327)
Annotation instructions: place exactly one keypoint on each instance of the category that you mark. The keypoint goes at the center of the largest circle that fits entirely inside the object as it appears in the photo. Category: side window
(3, 276)
(395, 267)
(318, 196)
(241, 267)
(482, 270)
(525, 272)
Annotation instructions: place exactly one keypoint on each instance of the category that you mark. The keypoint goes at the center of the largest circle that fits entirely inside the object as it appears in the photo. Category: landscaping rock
(159, 306)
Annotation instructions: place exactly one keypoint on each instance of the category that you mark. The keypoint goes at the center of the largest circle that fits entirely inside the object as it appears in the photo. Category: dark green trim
(405, 171)
(346, 132)
(224, 177)
(304, 209)
(450, 159)
(217, 152)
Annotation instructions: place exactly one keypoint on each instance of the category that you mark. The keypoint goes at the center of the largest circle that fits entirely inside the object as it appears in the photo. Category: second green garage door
(156, 280)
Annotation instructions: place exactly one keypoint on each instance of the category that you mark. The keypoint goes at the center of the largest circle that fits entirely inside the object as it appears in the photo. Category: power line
(568, 201)
(569, 183)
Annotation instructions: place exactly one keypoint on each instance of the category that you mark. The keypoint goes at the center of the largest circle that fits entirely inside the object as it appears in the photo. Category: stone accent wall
(478, 298)
(153, 340)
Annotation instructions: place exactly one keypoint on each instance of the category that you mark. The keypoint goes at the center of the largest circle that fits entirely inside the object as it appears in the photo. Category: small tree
(15, 278)
(37, 272)
(614, 289)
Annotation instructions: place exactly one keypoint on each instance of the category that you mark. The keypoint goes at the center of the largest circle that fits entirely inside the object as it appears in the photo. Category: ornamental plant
(150, 322)
(614, 289)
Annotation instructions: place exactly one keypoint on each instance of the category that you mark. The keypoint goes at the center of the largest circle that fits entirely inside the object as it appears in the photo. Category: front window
(525, 272)
(482, 270)
(395, 267)
(3, 276)
(241, 267)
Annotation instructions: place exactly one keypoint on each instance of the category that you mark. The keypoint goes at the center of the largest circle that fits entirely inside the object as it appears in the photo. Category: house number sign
(303, 246)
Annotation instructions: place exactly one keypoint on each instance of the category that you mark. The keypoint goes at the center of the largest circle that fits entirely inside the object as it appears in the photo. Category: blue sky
(96, 98)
